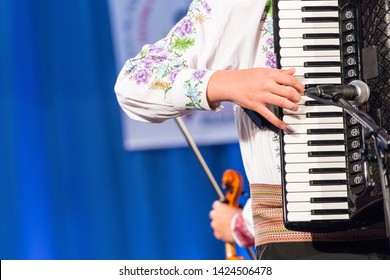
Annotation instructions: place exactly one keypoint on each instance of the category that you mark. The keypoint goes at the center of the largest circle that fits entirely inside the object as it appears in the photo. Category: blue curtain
(68, 189)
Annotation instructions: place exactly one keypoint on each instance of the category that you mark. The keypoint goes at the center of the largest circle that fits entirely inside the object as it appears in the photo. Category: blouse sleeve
(242, 226)
(169, 78)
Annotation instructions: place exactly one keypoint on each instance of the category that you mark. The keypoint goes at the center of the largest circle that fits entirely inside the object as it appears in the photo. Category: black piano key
(326, 154)
(325, 142)
(319, 9)
(324, 114)
(321, 63)
(327, 182)
(321, 47)
(315, 131)
(329, 211)
(320, 19)
(314, 85)
(322, 75)
(328, 199)
(314, 103)
(327, 170)
(320, 35)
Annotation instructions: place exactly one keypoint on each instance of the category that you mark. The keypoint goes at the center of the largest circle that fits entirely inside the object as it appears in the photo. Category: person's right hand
(255, 88)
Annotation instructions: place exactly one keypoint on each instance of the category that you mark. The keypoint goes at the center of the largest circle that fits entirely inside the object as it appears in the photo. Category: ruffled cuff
(189, 90)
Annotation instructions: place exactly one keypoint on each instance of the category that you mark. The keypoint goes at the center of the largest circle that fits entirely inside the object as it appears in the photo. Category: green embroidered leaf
(168, 89)
(183, 44)
(165, 74)
(268, 7)
(143, 53)
(189, 105)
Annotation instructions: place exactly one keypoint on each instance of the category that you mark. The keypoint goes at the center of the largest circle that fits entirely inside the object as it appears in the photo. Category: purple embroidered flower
(207, 7)
(185, 28)
(142, 76)
(148, 62)
(154, 49)
(161, 57)
(173, 74)
(270, 41)
(270, 60)
(198, 74)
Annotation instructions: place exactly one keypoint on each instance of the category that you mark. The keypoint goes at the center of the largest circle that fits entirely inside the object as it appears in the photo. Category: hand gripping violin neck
(231, 181)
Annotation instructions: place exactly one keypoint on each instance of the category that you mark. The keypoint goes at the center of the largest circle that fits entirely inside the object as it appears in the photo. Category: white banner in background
(139, 22)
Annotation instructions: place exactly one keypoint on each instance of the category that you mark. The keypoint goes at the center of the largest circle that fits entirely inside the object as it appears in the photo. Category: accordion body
(329, 166)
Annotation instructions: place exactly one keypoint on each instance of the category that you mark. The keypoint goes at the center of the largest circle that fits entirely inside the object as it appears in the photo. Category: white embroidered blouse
(169, 78)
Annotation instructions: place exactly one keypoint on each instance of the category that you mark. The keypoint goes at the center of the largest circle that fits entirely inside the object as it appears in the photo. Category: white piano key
(297, 42)
(304, 177)
(300, 14)
(303, 138)
(297, 23)
(307, 196)
(304, 148)
(307, 206)
(300, 71)
(305, 167)
(299, 52)
(293, 5)
(302, 128)
(305, 187)
(302, 119)
(318, 81)
(313, 109)
(298, 158)
(287, 62)
(307, 216)
(298, 32)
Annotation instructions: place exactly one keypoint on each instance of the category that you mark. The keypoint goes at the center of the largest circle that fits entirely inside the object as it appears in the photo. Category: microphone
(356, 91)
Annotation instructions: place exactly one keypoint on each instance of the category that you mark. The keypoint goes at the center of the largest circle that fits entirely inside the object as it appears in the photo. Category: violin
(232, 182)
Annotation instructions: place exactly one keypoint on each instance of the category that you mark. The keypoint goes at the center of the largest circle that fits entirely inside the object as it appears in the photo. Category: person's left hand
(221, 216)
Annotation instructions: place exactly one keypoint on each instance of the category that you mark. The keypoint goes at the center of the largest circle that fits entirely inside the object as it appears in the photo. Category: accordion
(330, 171)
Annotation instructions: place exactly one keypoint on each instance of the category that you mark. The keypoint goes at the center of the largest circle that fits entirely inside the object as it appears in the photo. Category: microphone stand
(382, 148)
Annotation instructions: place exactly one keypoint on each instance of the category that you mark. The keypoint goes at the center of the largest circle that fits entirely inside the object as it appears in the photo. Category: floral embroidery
(185, 28)
(268, 36)
(268, 48)
(158, 65)
(193, 92)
